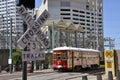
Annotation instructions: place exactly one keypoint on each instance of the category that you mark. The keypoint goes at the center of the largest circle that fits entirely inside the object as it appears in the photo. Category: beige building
(85, 13)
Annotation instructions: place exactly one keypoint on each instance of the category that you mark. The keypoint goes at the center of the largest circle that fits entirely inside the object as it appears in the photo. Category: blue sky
(37, 3)
(111, 19)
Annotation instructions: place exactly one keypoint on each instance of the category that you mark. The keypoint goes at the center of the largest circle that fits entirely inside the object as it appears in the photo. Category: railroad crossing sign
(34, 27)
(33, 56)
(33, 46)
(109, 54)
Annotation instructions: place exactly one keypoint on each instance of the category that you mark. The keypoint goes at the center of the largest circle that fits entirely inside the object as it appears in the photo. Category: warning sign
(109, 64)
(109, 54)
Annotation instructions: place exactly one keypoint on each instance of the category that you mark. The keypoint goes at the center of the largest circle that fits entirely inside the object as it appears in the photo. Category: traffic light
(27, 3)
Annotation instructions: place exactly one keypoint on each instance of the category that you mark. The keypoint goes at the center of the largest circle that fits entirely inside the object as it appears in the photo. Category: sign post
(24, 63)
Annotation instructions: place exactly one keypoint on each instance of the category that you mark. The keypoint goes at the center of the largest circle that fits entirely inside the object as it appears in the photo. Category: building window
(75, 19)
(75, 14)
(100, 14)
(75, 22)
(82, 19)
(88, 24)
(66, 18)
(88, 20)
(65, 14)
(92, 13)
(75, 10)
(82, 12)
(87, 16)
(87, 7)
(82, 16)
(87, 12)
(64, 9)
(82, 23)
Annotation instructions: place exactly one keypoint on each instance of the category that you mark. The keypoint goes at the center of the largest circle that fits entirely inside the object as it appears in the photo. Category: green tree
(17, 57)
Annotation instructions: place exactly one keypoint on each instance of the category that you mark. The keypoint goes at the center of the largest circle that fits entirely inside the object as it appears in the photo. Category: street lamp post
(52, 35)
(7, 23)
(76, 39)
(10, 55)
(83, 38)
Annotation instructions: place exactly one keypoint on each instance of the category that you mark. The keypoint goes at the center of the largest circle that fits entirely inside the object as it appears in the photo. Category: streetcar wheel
(94, 67)
(77, 69)
(60, 70)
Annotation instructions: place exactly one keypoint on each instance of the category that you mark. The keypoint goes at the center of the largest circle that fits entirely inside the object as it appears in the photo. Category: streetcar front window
(64, 56)
(58, 56)
(54, 56)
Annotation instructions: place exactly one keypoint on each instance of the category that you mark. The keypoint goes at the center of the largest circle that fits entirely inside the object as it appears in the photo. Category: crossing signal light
(27, 3)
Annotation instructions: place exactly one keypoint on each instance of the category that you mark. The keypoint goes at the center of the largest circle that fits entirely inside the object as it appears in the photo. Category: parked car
(6, 69)
(17, 68)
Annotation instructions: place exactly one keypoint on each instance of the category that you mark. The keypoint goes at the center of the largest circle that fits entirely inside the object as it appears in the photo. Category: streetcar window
(54, 56)
(58, 56)
(64, 55)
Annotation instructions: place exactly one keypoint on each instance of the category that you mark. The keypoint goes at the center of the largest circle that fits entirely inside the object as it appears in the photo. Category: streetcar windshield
(64, 56)
(54, 55)
(58, 56)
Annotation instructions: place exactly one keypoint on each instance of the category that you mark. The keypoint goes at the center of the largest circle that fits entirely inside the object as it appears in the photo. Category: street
(49, 74)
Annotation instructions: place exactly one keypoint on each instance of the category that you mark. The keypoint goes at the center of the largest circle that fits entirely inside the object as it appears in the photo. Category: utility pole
(24, 63)
(109, 43)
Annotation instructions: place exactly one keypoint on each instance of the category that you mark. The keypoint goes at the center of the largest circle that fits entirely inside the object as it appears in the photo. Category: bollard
(110, 76)
(84, 78)
(118, 75)
(14, 68)
(99, 77)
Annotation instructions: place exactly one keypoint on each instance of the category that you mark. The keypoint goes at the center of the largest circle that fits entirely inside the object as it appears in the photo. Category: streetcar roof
(73, 48)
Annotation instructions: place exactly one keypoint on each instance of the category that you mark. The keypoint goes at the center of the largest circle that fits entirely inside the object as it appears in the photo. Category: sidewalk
(105, 77)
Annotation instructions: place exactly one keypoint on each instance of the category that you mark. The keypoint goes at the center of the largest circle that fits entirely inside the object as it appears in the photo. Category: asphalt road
(49, 74)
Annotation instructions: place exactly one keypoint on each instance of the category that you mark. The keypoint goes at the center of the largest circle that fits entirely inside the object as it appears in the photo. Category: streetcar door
(70, 59)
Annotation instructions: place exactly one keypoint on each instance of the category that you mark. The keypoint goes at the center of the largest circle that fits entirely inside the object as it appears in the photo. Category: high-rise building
(87, 13)
(7, 11)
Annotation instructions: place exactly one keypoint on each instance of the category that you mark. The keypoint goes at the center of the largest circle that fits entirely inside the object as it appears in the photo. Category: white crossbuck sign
(34, 27)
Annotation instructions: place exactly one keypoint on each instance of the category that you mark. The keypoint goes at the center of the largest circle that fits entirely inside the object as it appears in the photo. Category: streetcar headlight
(59, 66)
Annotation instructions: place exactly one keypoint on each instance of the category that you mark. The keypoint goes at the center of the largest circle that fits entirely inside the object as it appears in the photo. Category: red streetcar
(71, 58)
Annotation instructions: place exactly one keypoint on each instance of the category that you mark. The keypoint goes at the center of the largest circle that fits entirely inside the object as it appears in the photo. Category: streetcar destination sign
(33, 56)
(34, 27)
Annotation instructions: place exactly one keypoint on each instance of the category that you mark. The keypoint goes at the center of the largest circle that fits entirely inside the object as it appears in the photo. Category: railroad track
(53, 75)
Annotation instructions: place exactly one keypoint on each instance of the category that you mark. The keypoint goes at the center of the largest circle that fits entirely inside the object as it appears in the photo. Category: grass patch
(102, 66)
